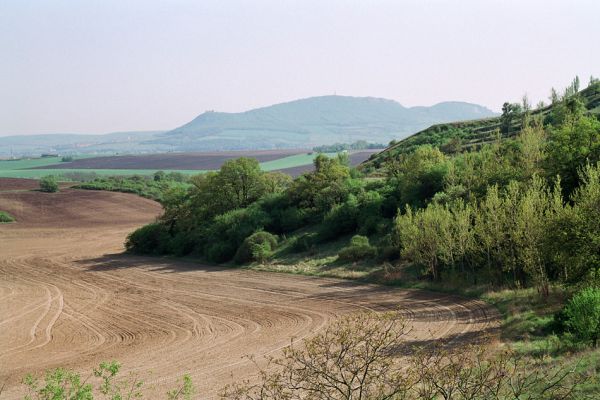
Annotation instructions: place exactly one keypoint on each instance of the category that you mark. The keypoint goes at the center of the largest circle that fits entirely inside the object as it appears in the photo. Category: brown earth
(70, 298)
(166, 161)
(24, 184)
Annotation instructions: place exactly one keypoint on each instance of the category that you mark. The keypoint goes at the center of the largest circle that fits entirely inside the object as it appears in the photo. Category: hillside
(314, 121)
(472, 133)
(68, 143)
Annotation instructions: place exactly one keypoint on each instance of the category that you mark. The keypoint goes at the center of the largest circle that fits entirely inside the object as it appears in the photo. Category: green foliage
(48, 184)
(59, 384)
(322, 188)
(304, 242)
(338, 147)
(257, 247)
(582, 315)
(342, 219)
(63, 384)
(67, 158)
(6, 217)
(152, 188)
(358, 249)
(513, 203)
(149, 239)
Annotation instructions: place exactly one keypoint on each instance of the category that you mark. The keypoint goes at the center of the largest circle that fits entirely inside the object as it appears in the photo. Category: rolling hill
(297, 124)
(314, 121)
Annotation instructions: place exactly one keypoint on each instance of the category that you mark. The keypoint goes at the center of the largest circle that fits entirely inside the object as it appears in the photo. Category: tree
(241, 181)
(276, 182)
(350, 359)
(322, 188)
(510, 111)
(571, 145)
(48, 184)
(532, 141)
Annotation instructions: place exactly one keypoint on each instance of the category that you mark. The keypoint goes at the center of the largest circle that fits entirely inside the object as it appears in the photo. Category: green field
(20, 168)
(296, 160)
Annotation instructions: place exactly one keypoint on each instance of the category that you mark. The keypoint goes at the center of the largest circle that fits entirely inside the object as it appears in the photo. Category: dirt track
(70, 299)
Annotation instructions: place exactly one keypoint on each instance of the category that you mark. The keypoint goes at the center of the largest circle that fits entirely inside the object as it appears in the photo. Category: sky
(83, 66)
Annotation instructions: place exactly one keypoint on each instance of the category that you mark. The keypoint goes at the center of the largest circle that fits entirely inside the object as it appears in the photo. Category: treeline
(518, 211)
(338, 147)
(151, 187)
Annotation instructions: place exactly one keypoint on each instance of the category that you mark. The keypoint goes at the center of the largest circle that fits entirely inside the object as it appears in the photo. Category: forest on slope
(517, 211)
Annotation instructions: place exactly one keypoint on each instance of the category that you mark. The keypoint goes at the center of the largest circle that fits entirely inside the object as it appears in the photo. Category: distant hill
(301, 123)
(471, 133)
(314, 121)
(68, 143)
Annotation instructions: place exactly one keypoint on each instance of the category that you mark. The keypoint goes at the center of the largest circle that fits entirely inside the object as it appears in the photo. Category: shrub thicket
(257, 247)
(150, 239)
(5, 217)
(49, 184)
(358, 249)
(582, 315)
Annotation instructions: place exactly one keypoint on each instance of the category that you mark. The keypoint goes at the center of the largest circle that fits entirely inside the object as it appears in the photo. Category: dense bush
(227, 231)
(149, 239)
(358, 249)
(137, 184)
(48, 184)
(582, 315)
(342, 219)
(5, 217)
(257, 247)
(304, 242)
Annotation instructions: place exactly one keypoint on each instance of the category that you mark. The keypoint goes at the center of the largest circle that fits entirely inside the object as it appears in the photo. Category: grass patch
(6, 218)
(296, 160)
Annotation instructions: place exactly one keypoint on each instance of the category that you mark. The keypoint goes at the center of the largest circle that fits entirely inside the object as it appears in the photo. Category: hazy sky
(115, 65)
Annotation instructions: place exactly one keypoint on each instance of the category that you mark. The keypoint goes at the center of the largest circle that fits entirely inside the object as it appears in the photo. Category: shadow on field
(110, 262)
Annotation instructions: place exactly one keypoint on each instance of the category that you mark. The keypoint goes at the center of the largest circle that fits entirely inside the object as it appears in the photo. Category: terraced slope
(70, 298)
(471, 133)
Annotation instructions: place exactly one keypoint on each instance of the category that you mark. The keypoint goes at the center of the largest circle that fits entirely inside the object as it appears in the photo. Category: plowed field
(70, 298)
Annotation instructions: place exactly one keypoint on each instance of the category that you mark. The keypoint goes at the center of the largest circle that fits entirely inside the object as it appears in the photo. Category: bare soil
(70, 297)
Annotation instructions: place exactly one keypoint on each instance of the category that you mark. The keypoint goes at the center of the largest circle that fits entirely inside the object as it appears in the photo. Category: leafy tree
(323, 187)
(240, 182)
(572, 145)
(510, 112)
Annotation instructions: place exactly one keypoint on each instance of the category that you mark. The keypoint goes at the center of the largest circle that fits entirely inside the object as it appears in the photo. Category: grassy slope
(472, 133)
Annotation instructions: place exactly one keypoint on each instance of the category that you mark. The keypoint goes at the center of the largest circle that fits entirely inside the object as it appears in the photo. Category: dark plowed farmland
(176, 161)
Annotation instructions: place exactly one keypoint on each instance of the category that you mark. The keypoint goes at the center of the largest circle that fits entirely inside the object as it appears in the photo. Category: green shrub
(5, 217)
(149, 239)
(342, 219)
(257, 247)
(304, 242)
(582, 315)
(49, 184)
(67, 159)
(219, 252)
(228, 231)
(359, 249)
